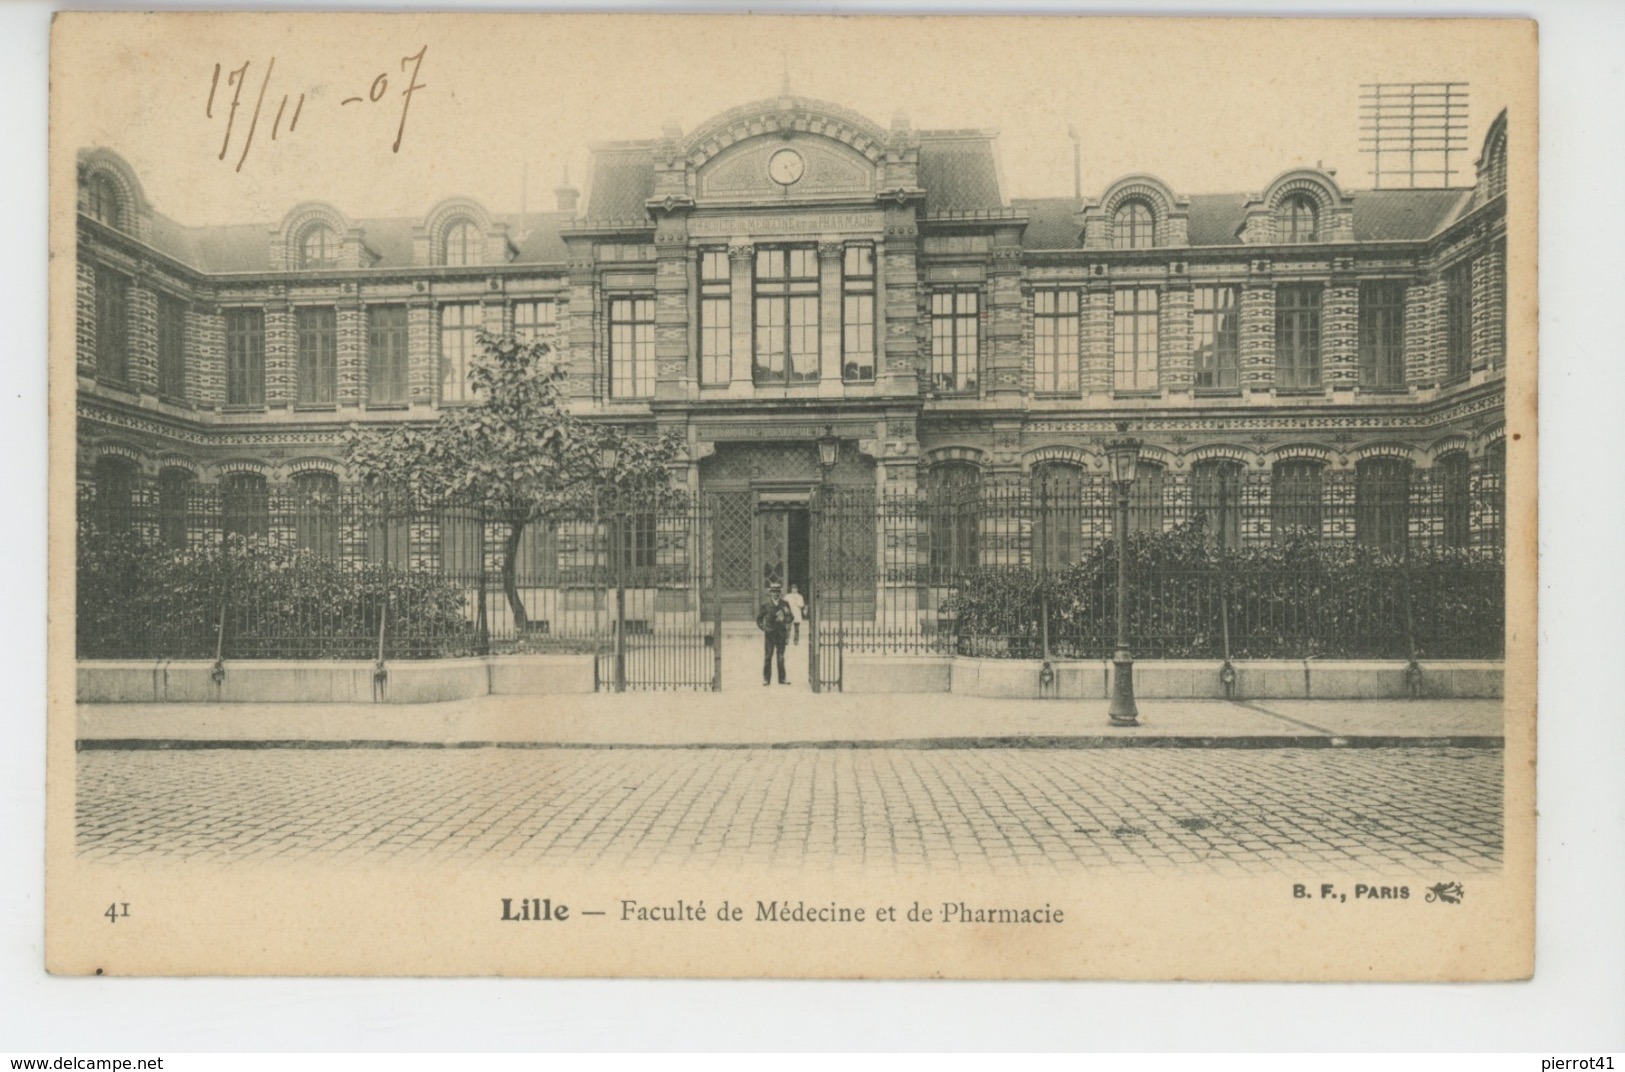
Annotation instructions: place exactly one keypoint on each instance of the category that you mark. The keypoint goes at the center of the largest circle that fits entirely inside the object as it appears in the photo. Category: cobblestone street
(1229, 810)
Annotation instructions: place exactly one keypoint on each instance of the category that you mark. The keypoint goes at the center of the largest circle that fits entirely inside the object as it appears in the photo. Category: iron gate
(664, 620)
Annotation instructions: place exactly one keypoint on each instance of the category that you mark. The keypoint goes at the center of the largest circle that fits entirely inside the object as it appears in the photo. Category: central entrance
(783, 541)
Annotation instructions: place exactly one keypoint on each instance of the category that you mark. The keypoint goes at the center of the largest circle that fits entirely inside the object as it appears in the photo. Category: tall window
(112, 325)
(1295, 499)
(462, 543)
(952, 499)
(318, 355)
(1055, 342)
(1298, 222)
(245, 357)
(858, 313)
(786, 315)
(633, 542)
(538, 554)
(1058, 496)
(716, 318)
(386, 355)
(1382, 334)
(245, 505)
(631, 347)
(174, 492)
(171, 346)
(1455, 497)
(319, 247)
(1145, 499)
(1458, 283)
(459, 333)
(1493, 491)
(463, 243)
(1297, 336)
(535, 320)
(103, 201)
(1134, 334)
(316, 513)
(1132, 226)
(1217, 329)
(955, 340)
(1382, 504)
(1216, 488)
(115, 491)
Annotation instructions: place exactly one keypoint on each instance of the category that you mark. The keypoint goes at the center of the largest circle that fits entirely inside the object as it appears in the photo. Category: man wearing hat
(774, 619)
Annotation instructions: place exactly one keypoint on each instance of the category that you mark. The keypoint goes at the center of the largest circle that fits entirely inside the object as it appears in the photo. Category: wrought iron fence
(1379, 562)
(242, 571)
(1383, 561)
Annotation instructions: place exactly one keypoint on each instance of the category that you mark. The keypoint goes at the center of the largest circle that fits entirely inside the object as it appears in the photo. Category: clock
(785, 167)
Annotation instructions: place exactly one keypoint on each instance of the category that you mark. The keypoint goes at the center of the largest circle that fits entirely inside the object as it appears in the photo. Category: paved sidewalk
(782, 717)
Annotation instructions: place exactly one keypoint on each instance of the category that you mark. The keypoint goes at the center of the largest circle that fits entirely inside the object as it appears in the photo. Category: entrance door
(783, 545)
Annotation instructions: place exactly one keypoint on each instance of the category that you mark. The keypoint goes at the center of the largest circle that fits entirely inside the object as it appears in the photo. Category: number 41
(117, 910)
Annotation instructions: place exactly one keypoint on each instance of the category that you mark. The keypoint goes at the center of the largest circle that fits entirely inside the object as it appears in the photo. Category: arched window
(462, 243)
(316, 518)
(1132, 226)
(102, 194)
(1295, 499)
(1298, 219)
(1382, 495)
(115, 491)
(1216, 490)
(1058, 496)
(245, 505)
(1455, 502)
(1145, 505)
(174, 493)
(953, 493)
(318, 247)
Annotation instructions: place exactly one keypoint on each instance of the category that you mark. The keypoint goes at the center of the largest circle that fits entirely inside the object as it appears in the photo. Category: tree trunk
(510, 582)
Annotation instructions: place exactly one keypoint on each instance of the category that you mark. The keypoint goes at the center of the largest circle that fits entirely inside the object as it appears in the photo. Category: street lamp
(609, 456)
(1124, 455)
(829, 447)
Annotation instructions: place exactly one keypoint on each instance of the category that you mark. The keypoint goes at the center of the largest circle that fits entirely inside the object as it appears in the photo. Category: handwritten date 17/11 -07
(230, 99)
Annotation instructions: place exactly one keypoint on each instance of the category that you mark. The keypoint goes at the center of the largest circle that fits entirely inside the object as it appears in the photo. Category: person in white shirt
(798, 605)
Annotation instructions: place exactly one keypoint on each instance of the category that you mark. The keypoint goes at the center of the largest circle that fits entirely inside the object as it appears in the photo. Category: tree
(516, 453)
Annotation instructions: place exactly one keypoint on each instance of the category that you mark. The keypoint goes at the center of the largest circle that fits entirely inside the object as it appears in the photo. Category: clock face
(785, 166)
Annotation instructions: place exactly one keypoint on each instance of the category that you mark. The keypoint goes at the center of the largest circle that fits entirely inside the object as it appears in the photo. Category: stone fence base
(1174, 679)
(331, 681)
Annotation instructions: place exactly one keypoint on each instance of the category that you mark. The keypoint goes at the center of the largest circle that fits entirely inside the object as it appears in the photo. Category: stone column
(899, 305)
(829, 319)
(1001, 380)
(674, 372)
(351, 324)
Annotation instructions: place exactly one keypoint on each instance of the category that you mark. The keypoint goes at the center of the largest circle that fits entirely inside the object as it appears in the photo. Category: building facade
(792, 270)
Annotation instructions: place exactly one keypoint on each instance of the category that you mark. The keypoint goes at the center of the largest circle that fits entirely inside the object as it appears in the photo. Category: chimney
(568, 195)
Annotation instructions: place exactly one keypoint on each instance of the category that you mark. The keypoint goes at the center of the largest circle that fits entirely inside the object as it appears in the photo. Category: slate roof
(622, 181)
(958, 174)
(1052, 222)
(1397, 215)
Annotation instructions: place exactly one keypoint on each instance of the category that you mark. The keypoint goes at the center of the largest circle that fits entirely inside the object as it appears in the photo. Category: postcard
(792, 496)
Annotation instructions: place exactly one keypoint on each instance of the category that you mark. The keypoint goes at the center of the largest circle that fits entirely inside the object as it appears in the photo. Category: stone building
(790, 270)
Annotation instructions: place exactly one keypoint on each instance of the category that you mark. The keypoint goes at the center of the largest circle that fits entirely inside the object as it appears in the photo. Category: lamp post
(1124, 456)
(829, 452)
(609, 456)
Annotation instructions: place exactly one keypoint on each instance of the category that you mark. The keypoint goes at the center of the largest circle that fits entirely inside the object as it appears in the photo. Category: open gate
(845, 582)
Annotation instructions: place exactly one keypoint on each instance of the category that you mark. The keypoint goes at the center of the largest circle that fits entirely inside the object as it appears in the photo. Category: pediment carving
(831, 170)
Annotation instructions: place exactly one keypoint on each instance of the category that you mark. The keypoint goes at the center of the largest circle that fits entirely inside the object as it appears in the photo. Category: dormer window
(103, 200)
(1298, 219)
(463, 243)
(319, 248)
(1132, 226)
